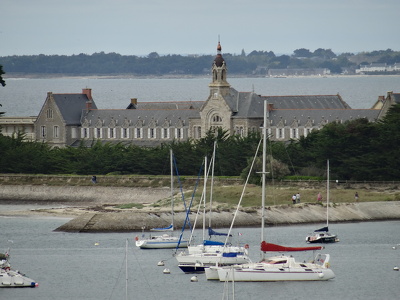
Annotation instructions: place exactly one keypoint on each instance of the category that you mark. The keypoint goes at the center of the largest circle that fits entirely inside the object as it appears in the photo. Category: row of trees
(357, 150)
(256, 62)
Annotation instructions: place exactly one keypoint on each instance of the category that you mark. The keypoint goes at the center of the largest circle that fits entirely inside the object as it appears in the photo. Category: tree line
(254, 63)
(357, 150)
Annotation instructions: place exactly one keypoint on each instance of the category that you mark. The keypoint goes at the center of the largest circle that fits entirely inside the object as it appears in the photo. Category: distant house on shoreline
(72, 119)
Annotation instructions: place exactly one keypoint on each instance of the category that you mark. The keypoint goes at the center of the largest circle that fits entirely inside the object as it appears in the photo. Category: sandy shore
(93, 209)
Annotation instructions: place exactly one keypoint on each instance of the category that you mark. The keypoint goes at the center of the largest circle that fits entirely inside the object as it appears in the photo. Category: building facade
(73, 119)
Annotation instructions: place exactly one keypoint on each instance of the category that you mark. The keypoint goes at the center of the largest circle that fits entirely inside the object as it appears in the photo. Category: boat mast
(172, 187)
(212, 183)
(327, 193)
(204, 198)
(126, 269)
(263, 173)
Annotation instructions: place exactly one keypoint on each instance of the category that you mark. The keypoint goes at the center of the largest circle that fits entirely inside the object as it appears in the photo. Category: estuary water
(25, 97)
(83, 266)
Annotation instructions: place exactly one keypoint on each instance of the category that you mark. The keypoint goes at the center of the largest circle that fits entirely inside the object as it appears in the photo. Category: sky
(139, 27)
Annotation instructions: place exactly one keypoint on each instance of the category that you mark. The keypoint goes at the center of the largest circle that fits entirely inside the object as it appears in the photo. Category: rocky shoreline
(92, 209)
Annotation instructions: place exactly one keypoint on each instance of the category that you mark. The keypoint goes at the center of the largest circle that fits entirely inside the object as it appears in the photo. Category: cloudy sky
(138, 27)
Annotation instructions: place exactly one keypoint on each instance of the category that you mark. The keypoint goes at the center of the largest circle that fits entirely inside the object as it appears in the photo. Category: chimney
(88, 93)
(270, 106)
(134, 101)
(88, 105)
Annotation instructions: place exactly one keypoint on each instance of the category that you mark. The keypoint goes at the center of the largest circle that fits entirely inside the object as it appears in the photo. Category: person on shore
(298, 197)
(94, 179)
(319, 197)
(356, 197)
(294, 198)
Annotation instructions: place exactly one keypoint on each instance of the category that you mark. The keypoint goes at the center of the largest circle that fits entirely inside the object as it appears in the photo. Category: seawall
(87, 207)
(125, 221)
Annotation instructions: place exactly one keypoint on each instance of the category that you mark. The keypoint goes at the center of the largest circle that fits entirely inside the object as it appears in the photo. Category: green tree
(2, 82)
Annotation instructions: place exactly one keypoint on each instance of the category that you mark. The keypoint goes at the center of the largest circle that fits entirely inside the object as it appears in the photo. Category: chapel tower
(219, 86)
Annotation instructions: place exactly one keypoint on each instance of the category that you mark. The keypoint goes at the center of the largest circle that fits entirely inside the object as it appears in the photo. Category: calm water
(25, 97)
(71, 266)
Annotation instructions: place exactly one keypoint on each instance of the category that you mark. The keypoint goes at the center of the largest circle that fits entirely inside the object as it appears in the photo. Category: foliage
(357, 150)
(155, 64)
(2, 82)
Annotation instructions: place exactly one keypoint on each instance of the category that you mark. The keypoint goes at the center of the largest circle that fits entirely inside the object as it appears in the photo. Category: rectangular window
(279, 133)
(124, 133)
(152, 133)
(165, 133)
(178, 133)
(43, 131)
(56, 132)
(138, 133)
(98, 134)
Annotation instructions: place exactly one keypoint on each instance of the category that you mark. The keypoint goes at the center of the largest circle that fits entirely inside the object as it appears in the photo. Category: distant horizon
(202, 54)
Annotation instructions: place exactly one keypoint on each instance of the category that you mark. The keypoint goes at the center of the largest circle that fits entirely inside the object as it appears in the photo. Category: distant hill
(256, 63)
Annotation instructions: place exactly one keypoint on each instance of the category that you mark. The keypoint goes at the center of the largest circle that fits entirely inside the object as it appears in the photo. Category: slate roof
(251, 105)
(71, 106)
(133, 115)
(319, 115)
(167, 105)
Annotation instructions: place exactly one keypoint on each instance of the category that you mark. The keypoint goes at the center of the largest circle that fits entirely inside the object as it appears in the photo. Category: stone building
(72, 119)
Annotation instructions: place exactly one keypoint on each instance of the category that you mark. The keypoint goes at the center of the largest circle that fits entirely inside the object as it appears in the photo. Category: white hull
(274, 274)
(212, 258)
(274, 270)
(14, 279)
(161, 242)
(212, 273)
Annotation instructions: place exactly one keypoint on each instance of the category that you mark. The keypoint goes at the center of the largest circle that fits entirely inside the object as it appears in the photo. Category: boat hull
(192, 268)
(14, 279)
(322, 240)
(150, 244)
(274, 274)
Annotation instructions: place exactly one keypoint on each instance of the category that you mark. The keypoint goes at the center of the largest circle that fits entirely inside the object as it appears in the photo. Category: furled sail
(169, 228)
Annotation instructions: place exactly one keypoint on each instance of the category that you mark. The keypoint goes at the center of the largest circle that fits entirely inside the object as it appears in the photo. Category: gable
(71, 106)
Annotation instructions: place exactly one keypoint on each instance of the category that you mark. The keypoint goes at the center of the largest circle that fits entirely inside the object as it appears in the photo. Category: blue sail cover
(212, 243)
(322, 229)
(212, 232)
(169, 228)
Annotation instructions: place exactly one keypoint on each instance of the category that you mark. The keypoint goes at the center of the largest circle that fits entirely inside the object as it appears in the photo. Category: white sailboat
(10, 278)
(322, 235)
(280, 267)
(199, 257)
(164, 241)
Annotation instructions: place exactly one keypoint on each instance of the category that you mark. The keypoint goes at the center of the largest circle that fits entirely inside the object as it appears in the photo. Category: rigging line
(118, 277)
(190, 205)
(144, 276)
(272, 172)
(241, 197)
(180, 186)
